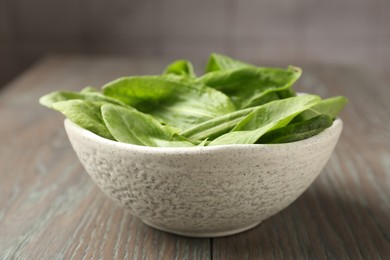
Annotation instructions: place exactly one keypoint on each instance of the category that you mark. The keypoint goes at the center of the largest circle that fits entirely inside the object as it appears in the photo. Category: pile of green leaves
(232, 103)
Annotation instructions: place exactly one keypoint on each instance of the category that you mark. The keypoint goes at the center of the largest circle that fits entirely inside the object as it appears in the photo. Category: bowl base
(204, 234)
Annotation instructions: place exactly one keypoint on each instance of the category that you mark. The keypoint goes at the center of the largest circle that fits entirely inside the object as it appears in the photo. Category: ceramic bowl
(203, 191)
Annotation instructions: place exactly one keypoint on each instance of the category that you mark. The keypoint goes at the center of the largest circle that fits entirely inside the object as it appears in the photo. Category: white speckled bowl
(203, 191)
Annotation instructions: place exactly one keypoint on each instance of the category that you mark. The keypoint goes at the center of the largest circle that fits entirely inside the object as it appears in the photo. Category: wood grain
(50, 209)
(345, 214)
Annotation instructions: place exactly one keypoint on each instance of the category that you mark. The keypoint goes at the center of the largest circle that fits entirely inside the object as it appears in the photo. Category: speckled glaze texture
(203, 191)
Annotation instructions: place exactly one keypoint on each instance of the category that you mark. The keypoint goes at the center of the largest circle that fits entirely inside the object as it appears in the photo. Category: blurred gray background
(268, 32)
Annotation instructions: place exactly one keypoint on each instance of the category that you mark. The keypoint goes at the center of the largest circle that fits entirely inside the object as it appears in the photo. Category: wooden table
(51, 209)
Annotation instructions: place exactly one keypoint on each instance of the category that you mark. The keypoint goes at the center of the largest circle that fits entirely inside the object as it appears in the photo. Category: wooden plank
(345, 214)
(49, 207)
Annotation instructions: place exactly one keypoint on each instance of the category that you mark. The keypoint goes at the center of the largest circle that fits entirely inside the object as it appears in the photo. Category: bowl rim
(82, 132)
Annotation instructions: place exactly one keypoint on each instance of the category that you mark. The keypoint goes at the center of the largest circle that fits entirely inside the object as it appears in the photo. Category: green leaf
(181, 68)
(131, 126)
(305, 115)
(87, 94)
(89, 89)
(331, 106)
(203, 143)
(217, 126)
(219, 62)
(179, 109)
(170, 100)
(297, 131)
(265, 118)
(250, 86)
(86, 114)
